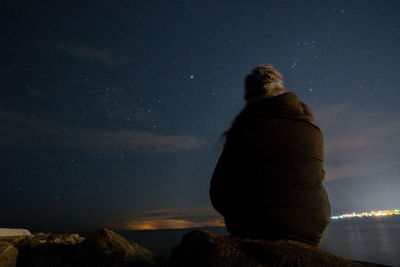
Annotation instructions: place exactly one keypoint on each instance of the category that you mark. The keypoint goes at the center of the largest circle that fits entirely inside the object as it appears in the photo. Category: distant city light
(377, 213)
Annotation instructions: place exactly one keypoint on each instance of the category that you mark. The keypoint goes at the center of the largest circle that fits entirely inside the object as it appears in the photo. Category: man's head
(263, 81)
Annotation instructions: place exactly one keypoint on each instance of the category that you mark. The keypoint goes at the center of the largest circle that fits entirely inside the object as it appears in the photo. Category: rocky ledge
(103, 248)
(202, 248)
(198, 248)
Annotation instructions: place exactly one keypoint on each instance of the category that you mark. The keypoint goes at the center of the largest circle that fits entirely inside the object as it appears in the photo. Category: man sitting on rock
(268, 180)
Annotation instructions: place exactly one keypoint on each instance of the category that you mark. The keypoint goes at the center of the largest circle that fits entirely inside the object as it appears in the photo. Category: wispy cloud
(358, 142)
(111, 57)
(18, 129)
(174, 218)
(107, 141)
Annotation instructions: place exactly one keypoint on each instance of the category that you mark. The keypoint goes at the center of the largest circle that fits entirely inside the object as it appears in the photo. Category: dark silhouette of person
(267, 183)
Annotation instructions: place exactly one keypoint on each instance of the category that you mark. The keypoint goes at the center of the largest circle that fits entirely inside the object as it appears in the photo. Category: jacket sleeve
(218, 191)
(228, 180)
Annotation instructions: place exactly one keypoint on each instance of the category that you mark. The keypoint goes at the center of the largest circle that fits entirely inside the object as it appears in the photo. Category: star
(294, 64)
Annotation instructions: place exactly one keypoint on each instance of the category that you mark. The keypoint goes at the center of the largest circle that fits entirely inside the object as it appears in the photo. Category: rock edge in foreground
(202, 248)
(103, 248)
(198, 248)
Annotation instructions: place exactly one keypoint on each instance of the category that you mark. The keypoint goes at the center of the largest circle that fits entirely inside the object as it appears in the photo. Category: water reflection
(367, 239)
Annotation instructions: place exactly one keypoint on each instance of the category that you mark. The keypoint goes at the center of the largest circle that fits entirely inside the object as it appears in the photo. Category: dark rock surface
(103, 248)
(203, 248)
(8, 255)
(198, 248)
(46, 238)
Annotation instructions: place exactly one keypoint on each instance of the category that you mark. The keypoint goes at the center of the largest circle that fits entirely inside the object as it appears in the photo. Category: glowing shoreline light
(377, 213)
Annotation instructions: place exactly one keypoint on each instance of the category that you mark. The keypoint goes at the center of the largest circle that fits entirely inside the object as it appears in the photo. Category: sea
(375, 239)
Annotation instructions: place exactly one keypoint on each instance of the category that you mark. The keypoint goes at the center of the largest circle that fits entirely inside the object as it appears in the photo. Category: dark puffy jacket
(268, 180)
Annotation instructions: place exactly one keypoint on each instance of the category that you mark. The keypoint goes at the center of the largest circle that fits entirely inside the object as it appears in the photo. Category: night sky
(111, 114)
